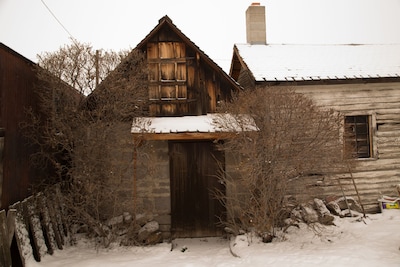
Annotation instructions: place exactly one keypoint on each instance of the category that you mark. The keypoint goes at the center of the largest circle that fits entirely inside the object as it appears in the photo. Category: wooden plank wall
(38, 226)
(376, 176)
(5, 254)
(180, 81)
(17, 79)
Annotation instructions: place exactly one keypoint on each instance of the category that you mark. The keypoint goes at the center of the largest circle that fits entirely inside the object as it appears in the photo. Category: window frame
(168, 74)
(371, 124)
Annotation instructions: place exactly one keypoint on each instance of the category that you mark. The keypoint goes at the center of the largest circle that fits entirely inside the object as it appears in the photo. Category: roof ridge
(165, 18)
(306, 44)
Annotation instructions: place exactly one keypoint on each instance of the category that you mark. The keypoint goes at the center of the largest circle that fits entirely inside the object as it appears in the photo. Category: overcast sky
(215, 26)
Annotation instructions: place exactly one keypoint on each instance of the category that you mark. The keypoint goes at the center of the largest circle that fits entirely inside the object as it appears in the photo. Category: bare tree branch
(295, 139)
(84, 138)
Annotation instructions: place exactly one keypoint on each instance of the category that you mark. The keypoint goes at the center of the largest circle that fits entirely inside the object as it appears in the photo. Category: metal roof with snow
(320, 62)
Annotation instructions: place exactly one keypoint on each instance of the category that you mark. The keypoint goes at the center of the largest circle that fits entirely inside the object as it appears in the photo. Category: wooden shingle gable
(240, 72)
(166, 21)
(183, 80)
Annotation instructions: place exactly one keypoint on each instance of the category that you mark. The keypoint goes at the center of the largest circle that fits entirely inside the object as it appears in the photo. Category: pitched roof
(167, 21)
(13, 52)
(319, 62)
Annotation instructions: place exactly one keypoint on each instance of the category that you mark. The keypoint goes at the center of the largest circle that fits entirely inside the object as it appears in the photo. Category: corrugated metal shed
(320, 62)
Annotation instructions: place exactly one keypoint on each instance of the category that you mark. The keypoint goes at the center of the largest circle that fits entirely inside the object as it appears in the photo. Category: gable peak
(165, 18)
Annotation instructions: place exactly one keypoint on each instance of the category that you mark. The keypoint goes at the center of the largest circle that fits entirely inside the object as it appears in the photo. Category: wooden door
(194, 168)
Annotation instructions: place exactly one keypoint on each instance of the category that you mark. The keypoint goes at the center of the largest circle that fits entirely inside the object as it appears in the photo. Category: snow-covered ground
(375, 241)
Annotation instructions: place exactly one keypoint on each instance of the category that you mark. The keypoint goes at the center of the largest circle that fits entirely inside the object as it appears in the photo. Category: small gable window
(357, 136)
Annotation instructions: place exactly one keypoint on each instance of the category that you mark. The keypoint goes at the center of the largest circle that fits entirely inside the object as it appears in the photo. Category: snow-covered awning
(320, 62)
(210, 126)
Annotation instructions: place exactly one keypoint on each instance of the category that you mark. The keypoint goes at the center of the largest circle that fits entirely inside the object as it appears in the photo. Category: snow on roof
(210, 123)
(316, 62)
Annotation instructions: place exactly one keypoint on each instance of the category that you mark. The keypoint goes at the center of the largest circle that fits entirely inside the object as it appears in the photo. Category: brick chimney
(256, 31)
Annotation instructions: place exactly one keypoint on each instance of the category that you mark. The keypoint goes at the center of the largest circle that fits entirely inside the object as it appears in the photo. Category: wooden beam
(35, 226)
(5, 255)
(49, 232)
(11, 213)
(21, 226)
(184, 136)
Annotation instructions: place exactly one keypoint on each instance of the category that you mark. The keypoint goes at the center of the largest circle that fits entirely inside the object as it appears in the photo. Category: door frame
(194, 169)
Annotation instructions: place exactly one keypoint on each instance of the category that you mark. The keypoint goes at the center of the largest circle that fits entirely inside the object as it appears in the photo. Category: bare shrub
(86, 140)
(295, 139)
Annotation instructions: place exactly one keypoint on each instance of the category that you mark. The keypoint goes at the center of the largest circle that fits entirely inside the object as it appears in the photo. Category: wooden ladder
(355, 189)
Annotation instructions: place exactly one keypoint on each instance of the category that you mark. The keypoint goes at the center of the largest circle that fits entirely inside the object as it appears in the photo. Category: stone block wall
(146, 189)
(153, 183)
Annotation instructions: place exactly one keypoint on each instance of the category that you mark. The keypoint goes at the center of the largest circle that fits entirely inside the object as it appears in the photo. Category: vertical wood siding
(180, 81)
(17, 79)
(193, 169)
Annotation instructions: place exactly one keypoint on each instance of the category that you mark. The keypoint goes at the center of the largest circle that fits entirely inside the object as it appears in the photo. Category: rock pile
(141, 229)
(324, 212)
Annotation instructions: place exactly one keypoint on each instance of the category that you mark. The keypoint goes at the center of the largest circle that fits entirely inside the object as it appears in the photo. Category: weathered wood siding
(378, 175)
(17, 79)
(180, 81)
(196, 212)
(38, 227)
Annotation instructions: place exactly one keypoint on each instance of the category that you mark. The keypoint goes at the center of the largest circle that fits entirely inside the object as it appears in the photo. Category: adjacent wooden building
(17, 79)
(360, 81)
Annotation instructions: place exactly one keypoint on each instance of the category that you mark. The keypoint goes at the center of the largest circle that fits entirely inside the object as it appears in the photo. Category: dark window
(357, 136)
